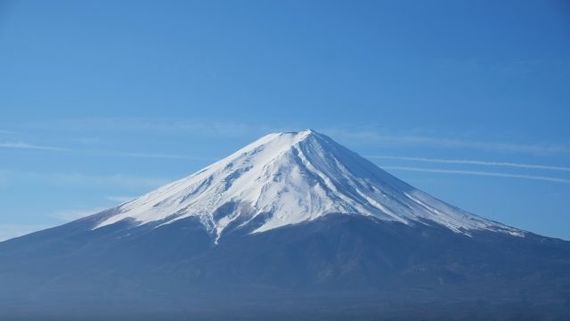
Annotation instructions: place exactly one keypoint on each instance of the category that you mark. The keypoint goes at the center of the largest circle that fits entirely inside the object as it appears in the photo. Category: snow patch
(291, 178)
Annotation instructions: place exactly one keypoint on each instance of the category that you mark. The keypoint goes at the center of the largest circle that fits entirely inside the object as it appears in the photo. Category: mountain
(292, 226)
(291, 178)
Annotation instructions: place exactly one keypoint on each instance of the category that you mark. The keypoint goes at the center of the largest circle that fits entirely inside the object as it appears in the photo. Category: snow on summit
(293, 177)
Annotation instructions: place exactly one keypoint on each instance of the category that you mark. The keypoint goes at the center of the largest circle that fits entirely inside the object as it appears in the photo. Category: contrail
(473, 162)
(479, 173)
(21, 145)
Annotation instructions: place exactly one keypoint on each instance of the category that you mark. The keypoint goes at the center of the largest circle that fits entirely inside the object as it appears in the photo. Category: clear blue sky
(104, 100)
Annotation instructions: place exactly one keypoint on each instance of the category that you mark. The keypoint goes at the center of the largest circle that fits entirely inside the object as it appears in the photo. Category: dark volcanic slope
(344, 266)
(295, 227)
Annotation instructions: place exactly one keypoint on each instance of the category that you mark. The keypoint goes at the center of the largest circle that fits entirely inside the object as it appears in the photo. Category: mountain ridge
(294, 177)
(432, 262)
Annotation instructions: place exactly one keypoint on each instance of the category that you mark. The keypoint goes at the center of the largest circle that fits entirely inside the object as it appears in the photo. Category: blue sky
(101, 101)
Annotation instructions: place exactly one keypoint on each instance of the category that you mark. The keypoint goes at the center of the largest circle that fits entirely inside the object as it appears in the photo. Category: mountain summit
(289, 178)
(291, 227)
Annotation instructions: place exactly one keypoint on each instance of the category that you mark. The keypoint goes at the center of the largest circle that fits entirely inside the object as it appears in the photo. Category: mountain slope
(293, 226)
(288, 178)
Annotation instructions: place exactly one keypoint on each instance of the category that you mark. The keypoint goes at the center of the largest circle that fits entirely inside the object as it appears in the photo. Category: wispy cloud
(104, 153)
(82, 179)
(443, 142)
(117, 179)
(229, 129)
(23, 145)
(193, 127)
(479, 173)
(73, 214)
(472, 162)
(9, 231)
(96, 130)
(146, 155)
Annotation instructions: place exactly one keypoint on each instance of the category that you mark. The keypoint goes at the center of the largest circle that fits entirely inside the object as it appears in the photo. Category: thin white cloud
(83, 179)
(74, 214)
(442, 142)
(117, 179)
(22, 145)
(229, 129)
(193, 127)
(9, 231)
(472, 162)
(146, 155)
(479, 173)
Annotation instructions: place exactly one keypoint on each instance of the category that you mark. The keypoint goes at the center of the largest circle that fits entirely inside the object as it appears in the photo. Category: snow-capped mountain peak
(289, 178)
